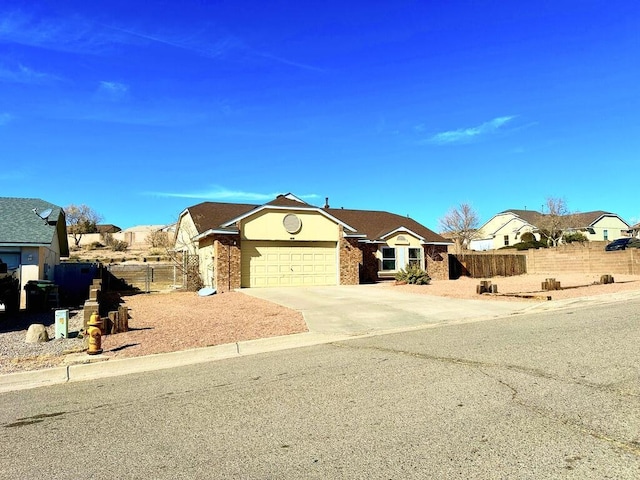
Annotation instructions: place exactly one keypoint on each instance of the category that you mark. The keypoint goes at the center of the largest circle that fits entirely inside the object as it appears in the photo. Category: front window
(415, 257)
(506, 240)
(605, 233)
(388, 258)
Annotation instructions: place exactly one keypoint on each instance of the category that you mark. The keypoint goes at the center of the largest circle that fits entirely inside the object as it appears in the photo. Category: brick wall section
(227, 262)
(437, 261)
(350, 261)
(588, 258)
(370, 263)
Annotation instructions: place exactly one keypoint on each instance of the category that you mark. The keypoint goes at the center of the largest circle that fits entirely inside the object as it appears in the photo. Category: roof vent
(292, 223)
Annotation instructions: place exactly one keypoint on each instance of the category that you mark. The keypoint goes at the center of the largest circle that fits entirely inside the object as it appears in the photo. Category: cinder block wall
(588, 258)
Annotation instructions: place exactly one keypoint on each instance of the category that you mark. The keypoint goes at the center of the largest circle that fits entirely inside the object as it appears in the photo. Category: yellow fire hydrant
(95, 334)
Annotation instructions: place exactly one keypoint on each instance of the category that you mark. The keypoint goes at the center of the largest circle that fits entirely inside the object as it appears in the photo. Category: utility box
(62, 323)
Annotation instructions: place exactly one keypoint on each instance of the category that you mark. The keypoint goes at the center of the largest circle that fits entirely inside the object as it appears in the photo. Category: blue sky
(141, 109)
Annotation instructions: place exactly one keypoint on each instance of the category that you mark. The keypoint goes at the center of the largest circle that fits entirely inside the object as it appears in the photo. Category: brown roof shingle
(372, 224)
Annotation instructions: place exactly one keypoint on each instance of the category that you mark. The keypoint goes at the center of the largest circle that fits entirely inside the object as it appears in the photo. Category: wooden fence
(144, 278)
(486, 265)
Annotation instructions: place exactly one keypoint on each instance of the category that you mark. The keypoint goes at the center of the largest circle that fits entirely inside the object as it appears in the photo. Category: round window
(292, 223)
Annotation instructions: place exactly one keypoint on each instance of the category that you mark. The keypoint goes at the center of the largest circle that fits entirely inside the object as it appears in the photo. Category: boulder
(37, 333)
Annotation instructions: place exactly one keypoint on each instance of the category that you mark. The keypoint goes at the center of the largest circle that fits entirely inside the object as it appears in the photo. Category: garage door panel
(266, 264)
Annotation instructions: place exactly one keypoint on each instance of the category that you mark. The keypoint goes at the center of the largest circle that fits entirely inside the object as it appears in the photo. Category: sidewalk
(91, 367)
(328, 321)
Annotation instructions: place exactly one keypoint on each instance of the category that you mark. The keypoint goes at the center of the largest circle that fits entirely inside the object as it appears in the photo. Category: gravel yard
(165, 322)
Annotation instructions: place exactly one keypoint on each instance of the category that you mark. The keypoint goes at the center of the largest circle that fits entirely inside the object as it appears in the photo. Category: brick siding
(227, 262)
(350, 261)
(437, 261)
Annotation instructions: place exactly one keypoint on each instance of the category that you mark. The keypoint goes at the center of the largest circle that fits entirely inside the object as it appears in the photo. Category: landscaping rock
(37, 333)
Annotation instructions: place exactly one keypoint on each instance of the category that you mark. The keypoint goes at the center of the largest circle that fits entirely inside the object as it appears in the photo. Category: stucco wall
(268, 225)
(615, 228)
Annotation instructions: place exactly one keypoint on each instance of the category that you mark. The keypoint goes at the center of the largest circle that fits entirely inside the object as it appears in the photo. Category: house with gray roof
(33, 237)
(288, 242)
(506, 228)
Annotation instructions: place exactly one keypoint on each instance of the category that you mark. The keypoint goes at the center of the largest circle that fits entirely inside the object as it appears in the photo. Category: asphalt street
(554, 394)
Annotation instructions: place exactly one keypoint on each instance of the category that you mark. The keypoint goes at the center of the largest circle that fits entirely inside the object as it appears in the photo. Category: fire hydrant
(95, 334)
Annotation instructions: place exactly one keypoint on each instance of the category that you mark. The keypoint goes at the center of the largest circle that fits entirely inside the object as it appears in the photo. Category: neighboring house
(33, 237)
(635, 230)
(289, 242)
(600, 226)
(136, 237)
(108, 228)
(506, 228)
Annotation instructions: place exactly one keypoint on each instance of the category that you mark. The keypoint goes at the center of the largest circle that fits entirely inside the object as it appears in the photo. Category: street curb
(125, 366)
(33, 379)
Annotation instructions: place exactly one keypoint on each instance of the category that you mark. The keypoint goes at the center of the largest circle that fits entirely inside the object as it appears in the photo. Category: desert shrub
(119, 246)
(158, 239)
(414, 275)
(574, 237)
(93, 246)
(107, 238)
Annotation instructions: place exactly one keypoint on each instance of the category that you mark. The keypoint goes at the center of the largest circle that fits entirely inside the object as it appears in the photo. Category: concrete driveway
(362, 309)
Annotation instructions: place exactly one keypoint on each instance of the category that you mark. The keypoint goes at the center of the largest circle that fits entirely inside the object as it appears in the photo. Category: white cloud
(25, 75)
(73, 34)
(467, 134)
(223, 194)
(112, 91)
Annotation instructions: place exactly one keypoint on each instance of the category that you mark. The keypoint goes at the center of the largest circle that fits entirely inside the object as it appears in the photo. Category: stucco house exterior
(33, 237)
(288, 242)
(506, 228)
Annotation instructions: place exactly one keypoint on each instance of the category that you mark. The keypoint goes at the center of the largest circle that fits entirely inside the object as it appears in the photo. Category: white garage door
(275, 264)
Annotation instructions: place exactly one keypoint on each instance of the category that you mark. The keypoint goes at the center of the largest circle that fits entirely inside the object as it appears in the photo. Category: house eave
(288, 208)
(216, 231)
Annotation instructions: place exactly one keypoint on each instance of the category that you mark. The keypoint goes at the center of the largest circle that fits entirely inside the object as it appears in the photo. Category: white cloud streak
(113, 91)
(25, 75)
(75, 34)
(82, 35)
(464, 135)
(223, 194)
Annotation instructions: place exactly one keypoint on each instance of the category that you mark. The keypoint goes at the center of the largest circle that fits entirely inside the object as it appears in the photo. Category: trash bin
(37, 294)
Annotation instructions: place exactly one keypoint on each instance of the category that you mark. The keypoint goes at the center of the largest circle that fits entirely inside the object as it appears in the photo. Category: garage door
(275, 264)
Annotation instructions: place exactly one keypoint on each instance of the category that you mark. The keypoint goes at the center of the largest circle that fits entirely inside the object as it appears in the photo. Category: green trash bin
(37, 294)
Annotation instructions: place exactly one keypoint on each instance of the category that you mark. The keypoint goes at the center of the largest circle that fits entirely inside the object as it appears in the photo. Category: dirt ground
(166, 322)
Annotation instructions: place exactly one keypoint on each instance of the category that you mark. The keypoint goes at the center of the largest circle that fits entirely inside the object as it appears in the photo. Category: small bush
(413, 275)
(119, 246)
(527, 237)
(575, 237)
(529, 245)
